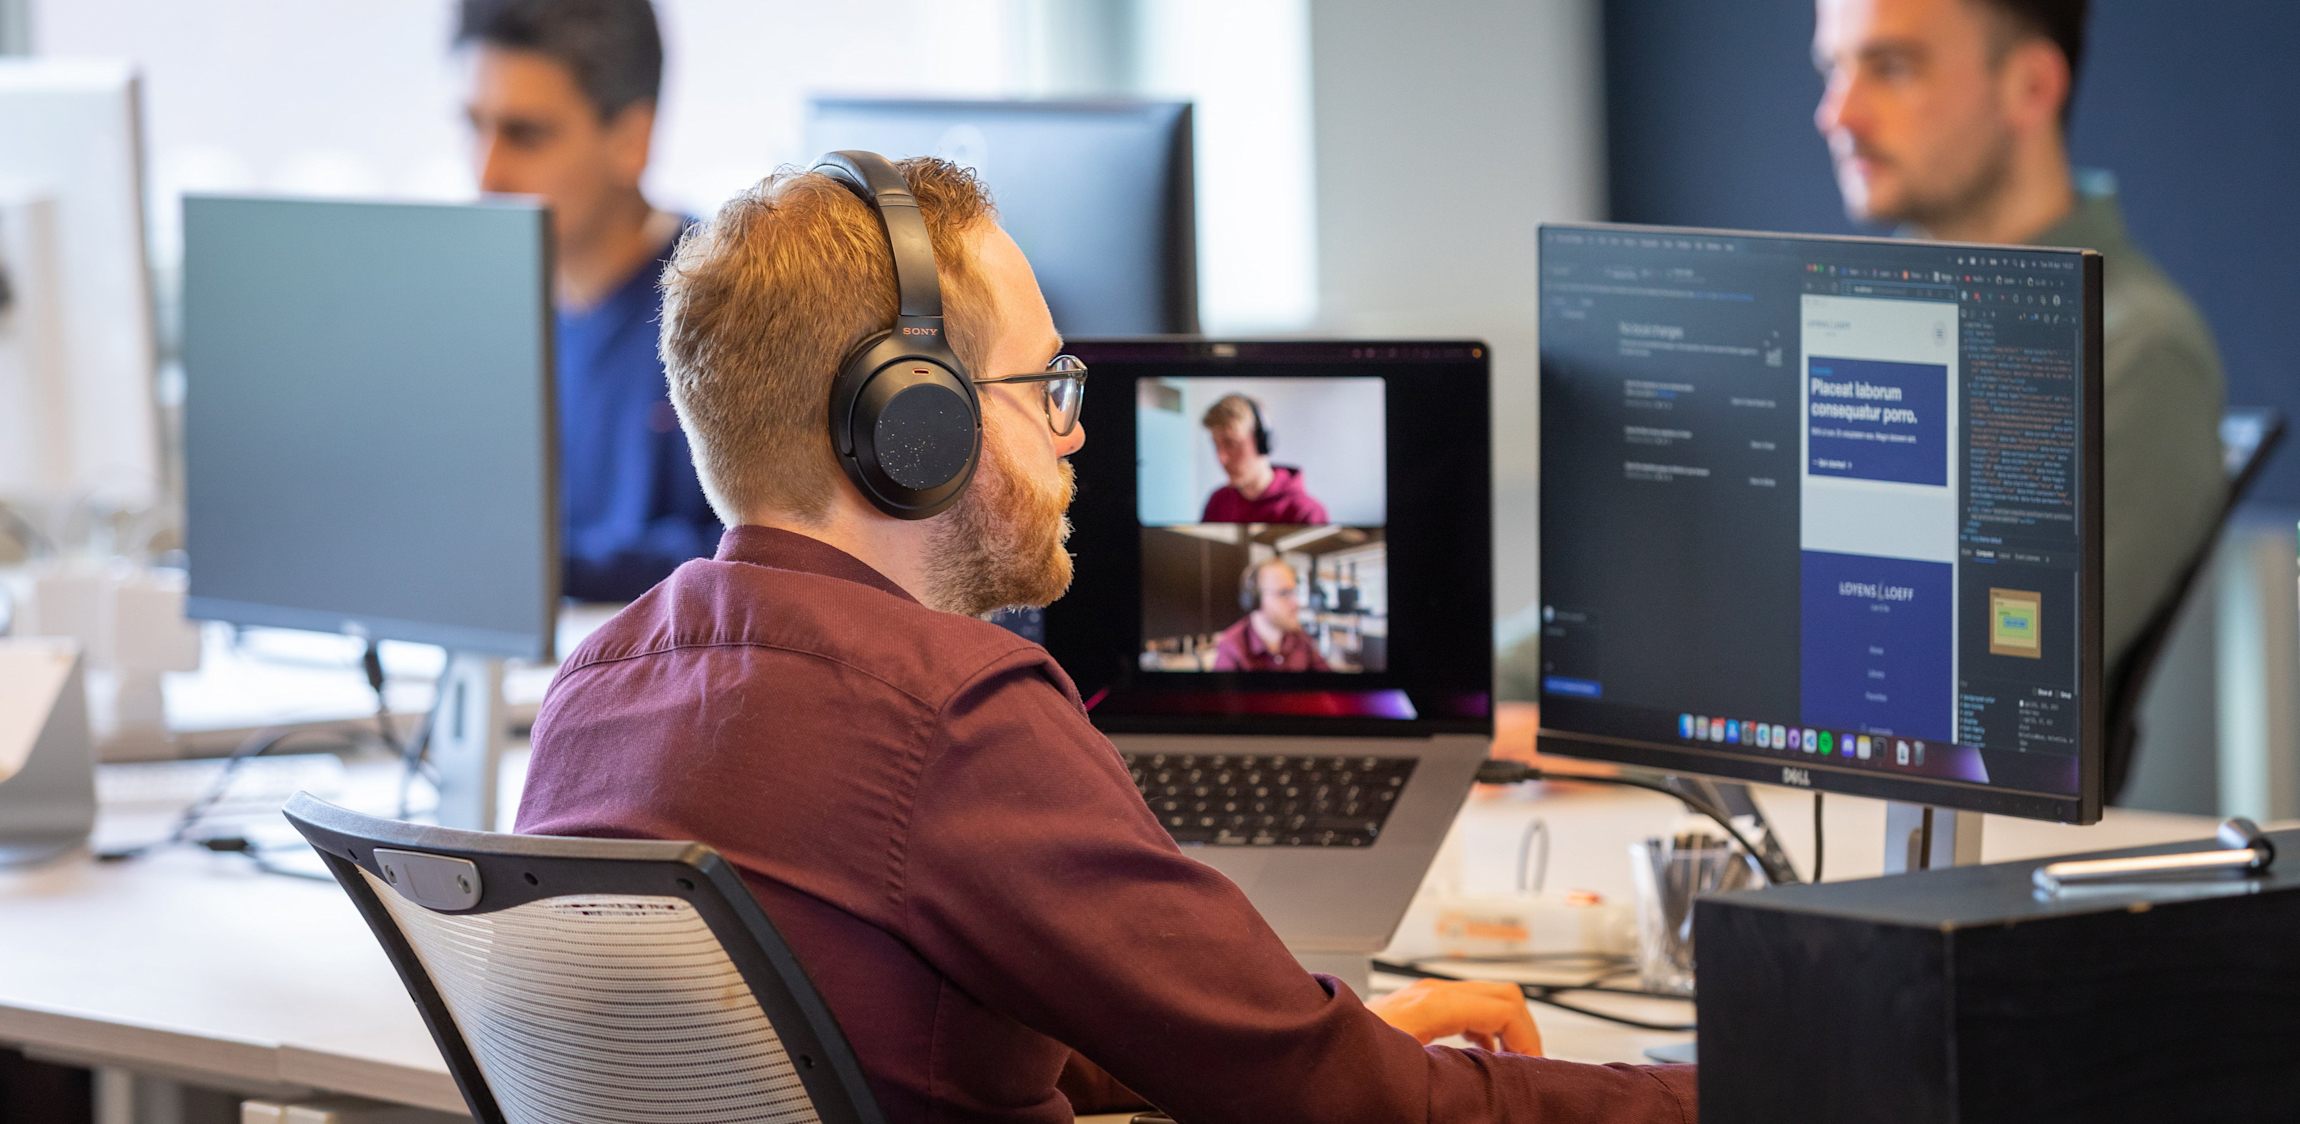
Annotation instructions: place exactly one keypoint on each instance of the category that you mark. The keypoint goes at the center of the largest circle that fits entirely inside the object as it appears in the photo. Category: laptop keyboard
(1270, 801)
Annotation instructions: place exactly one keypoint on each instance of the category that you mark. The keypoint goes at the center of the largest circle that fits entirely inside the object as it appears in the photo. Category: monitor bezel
(2084, 806)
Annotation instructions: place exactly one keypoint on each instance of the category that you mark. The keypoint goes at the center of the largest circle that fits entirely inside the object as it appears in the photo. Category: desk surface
(195, 965)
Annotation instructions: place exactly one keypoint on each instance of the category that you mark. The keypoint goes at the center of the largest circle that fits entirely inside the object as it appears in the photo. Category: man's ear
(2036, 84)
(630, 135)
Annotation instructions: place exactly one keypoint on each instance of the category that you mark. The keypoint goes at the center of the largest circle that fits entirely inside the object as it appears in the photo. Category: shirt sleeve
(1230, 649)
(1038, 881)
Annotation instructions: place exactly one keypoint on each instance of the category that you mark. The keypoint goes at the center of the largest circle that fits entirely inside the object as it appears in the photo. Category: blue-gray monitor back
(1099, 194)
(369, 435)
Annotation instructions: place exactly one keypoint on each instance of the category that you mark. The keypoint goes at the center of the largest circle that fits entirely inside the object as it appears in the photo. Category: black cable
(241, 845)
(256, 745)
(371, 662)
(1546, 994)
(1817, 837)
(1495, 771)
(412, 758)
(266, 740)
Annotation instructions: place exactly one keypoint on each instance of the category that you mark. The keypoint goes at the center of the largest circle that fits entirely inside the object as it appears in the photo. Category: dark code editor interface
(1810, 497)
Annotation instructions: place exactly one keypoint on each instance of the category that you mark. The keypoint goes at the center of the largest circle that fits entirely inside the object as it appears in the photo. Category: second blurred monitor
(1099, 194)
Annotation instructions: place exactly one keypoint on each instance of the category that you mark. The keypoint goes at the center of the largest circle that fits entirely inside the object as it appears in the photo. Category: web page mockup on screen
(1816, 501)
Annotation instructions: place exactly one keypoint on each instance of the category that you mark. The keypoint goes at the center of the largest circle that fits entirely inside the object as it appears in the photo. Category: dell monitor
(1282, 611)
(1824, 512)
(1099, 194)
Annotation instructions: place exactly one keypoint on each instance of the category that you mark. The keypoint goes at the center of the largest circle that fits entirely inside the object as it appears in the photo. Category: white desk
(195, 967)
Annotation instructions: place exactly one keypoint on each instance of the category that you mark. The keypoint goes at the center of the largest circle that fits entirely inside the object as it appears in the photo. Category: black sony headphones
(1261, 432)
(905, 421)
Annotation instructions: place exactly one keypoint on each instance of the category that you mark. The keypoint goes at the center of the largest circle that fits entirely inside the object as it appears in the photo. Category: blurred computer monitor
(1824, 512)
(1099, 194)
(369, 420)
(77, 397)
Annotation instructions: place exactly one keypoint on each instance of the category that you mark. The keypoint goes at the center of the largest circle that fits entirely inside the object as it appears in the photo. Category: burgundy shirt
(1239, 648)
(964, 867)
(1283, 501)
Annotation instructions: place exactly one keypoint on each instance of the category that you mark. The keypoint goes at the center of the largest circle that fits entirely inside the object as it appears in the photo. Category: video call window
(1303, 451)
(1265, 597)
(1263, 504)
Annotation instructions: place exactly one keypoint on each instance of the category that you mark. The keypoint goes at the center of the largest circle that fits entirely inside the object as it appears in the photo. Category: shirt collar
(778, 549)
(1255, 647)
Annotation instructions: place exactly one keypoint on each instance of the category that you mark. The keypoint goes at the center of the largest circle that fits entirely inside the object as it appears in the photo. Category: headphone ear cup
(1249, 590)
(1261, 431)
(907, 428)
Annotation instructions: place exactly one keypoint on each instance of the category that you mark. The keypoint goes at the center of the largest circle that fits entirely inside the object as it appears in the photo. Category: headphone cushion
(924, 436)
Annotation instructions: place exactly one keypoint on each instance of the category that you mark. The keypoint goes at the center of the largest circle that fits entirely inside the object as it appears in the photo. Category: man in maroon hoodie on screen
(1258, 491)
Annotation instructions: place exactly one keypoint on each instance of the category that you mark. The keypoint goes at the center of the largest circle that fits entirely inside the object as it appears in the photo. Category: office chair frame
(518, 869)
(2127, 682)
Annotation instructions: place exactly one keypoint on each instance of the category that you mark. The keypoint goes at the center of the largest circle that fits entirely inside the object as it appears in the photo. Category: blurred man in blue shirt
(562, 105)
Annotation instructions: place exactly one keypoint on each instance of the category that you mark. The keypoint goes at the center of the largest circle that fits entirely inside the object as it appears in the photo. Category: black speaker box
(1962, 995)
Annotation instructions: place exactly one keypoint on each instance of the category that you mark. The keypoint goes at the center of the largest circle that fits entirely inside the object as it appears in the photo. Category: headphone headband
(876, 181)
(904, 419)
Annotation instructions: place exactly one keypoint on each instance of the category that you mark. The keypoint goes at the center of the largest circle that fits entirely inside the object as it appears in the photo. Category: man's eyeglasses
(1064, 380)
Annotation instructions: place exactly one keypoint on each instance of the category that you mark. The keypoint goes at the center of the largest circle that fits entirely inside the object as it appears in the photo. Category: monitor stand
(467, 740)
(1922, 837)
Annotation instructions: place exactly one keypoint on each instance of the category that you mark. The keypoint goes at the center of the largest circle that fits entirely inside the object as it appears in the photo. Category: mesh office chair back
(594, 981)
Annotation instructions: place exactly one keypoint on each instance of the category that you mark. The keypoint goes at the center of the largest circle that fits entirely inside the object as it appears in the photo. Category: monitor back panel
(369, 419)
(1824, 512)
(1099, 194)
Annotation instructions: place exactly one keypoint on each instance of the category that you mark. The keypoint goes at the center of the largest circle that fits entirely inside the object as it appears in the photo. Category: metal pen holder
(1670, 873)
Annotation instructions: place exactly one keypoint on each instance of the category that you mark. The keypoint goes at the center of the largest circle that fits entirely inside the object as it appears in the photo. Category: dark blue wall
(2195, 107)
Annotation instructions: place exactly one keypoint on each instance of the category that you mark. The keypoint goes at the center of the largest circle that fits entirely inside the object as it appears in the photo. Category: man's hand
(1484, 1012)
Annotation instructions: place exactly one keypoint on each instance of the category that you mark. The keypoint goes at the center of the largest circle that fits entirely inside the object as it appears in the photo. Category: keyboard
(1257, 801)
(258, 780)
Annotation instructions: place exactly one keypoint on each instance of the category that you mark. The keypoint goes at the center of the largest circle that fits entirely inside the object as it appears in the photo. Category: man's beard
(1000, 546)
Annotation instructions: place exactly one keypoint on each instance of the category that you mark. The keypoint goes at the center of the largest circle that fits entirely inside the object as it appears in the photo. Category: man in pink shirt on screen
(1258, 491)
(1269, 637)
